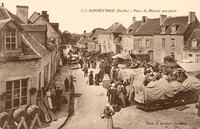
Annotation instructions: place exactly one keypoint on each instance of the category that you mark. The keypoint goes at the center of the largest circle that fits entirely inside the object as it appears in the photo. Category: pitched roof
(96, 33)
(195, 35)
(3, 14)
(181, 22)
(115, 28)
(34, 17)
(38, 48)
(86, 34)
(133, 28)
(6, 16)
(149, 27)
(15, 18)
(83, 41)
(50, 46)
(31, 49)
(32, 27)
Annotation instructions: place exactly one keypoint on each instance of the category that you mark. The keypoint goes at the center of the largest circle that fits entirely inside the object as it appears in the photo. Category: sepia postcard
(99, 64)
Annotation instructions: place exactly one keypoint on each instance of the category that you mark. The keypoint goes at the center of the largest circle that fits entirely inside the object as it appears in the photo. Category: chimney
(116, 23)
(2, 4)
(144, 19)
(45, 15)
(162, 18)
(134, 19)
(22, 13)
(191, 17)
(84, 31)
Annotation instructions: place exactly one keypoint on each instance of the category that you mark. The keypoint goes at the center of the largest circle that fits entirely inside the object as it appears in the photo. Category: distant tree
(75, 38)
(68, 38)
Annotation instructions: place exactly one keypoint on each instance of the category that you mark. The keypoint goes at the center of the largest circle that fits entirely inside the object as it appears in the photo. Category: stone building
(25, 58)
(128, 36)
(110, 40)
(172, 35)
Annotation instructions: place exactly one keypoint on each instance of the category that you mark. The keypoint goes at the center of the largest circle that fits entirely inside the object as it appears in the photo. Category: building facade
(25, 61)
(172, 35)
(191, 51)
(128, 37)
(110, 40)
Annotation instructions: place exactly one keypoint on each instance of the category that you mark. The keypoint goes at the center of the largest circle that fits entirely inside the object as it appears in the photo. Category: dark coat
(112, 96)
(91, 79)
(66, 84)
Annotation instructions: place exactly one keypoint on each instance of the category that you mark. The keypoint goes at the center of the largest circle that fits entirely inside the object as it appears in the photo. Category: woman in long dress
(108, 113)
(48, 96)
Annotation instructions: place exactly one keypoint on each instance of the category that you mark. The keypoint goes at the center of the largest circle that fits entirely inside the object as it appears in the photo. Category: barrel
(32, 110)
(4, 116)
(18, 113)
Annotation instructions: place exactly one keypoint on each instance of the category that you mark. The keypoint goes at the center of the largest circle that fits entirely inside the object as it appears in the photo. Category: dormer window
(174, 28)
(163, 29)
(194, 43)
(11, 40)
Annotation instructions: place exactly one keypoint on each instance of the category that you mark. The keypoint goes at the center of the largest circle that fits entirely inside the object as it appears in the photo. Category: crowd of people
(155, 73)
(119, 94)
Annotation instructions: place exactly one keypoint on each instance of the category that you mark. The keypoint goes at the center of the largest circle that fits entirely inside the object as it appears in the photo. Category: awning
(141, 56)
(190, 67)
(122, 56)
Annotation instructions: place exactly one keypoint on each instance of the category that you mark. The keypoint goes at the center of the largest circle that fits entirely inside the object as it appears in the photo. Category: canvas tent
(121, 56)
(190, 68)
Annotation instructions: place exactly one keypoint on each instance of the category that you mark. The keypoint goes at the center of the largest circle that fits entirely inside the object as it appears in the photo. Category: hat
(113, 84)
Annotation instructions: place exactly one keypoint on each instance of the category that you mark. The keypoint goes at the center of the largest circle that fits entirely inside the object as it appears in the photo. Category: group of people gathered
(155, 73)
(119, 94)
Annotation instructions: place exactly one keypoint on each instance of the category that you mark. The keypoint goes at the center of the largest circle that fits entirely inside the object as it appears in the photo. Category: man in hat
(112, 95)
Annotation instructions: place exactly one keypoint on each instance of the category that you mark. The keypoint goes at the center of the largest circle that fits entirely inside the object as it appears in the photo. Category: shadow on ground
(117, 128)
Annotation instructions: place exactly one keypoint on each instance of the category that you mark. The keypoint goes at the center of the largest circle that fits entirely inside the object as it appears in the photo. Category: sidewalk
(61, 115)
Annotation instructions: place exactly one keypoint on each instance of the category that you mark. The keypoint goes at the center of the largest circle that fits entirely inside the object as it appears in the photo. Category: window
(11, 40)
(173, 43)
(173, 28)
(163, 29)
(173, 55)
(194, 43)
(16, 93)
(140, 43)
(147, 43)
(163, 42)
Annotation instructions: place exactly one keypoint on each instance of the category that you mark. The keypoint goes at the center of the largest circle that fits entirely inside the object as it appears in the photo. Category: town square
(99, 65)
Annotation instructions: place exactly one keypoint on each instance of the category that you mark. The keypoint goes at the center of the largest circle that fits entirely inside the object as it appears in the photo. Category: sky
(70, 16)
